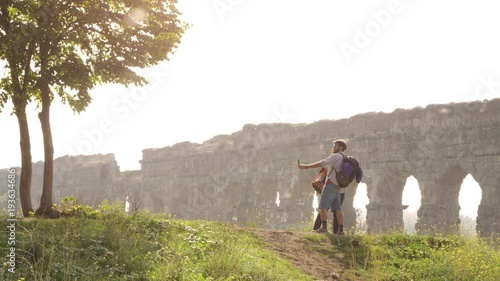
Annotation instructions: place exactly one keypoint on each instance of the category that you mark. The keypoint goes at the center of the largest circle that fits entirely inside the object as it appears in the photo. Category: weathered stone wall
(237, 177)
(90, 179)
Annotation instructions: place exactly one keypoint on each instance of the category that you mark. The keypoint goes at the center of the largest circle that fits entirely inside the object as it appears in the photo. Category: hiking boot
(321, 230)
(341, 233)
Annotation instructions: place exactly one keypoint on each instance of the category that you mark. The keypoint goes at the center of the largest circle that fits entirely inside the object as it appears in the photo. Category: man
(331, 194)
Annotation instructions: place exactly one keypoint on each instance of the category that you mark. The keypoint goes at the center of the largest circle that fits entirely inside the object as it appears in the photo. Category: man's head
(339, 146)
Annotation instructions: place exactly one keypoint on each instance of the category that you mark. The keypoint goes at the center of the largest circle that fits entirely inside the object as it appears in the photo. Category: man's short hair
(342, 144)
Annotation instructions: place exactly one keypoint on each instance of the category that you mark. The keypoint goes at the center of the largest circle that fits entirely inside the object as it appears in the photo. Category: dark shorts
(330, 198)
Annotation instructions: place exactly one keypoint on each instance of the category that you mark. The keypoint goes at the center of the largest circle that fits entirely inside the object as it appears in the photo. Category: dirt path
(313, 253)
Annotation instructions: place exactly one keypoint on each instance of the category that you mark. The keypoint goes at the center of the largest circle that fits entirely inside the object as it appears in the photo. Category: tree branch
(27, 67)
(4, 16)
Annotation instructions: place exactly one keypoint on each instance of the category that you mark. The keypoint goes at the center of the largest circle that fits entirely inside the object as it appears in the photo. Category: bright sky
(283, 61)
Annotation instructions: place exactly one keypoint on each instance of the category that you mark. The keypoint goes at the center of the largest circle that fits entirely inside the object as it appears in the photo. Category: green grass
(107, 244)
(110, 245)
(400, 256)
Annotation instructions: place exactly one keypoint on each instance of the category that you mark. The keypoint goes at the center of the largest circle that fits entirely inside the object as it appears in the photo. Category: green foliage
(108, 244)
(72, 46)
(400, 256)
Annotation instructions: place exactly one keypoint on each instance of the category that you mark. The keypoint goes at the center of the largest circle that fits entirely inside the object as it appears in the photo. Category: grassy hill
(107, 244)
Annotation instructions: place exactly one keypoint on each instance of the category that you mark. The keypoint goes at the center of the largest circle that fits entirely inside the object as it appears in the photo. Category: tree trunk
(46, 203)
(26, 165)
(20, 98)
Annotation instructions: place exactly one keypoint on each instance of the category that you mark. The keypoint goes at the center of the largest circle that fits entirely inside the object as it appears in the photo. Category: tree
(80, 44)
(17, 48)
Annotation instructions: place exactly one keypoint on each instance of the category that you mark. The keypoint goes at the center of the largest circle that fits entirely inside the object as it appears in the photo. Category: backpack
(349, 170)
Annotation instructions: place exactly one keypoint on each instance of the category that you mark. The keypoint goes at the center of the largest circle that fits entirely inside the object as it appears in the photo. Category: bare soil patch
(314, 253)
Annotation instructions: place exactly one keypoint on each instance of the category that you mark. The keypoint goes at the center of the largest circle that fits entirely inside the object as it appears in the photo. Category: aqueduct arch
(439, 187)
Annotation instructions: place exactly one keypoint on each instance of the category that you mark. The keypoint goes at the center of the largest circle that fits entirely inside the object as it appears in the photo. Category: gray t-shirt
(332, 161)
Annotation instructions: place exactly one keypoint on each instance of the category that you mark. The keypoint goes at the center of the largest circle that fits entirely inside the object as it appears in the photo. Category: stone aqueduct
(236, 177)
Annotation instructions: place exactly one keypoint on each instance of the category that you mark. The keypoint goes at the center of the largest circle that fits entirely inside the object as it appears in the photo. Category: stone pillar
(348, 206)
(488, 221)
(385, 218)
(439, 212)
(296, 197)
(488, 214)
(231, 202)
(385, 191)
